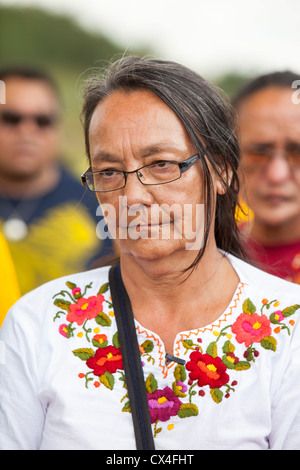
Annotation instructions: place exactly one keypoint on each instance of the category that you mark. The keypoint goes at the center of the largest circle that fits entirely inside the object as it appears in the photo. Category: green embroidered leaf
(216, 395)
(83, 353)
(287, 312)
(63, 304)
(126, 407)
(103, 288)
(187, 409)
(115, 340)
(228, 363)
(212, 349)
(273, 319)
(151, 383)
(242, 365)
(228, 347)
(177, 390)
(147, 346)
(187, 344)
(99, 345)
(269, 343)
(107, 379)
(103, 319)
(249, 307)
(70, 285)
(180, 373)
(250, 354)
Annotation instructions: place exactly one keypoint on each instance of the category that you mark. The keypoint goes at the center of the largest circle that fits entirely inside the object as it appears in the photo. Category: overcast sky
(212, 36)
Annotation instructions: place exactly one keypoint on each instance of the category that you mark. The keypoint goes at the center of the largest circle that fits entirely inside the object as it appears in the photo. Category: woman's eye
(109, 173)
(162, 165)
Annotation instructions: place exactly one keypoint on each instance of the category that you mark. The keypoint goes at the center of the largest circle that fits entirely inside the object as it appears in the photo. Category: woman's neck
(168, 301)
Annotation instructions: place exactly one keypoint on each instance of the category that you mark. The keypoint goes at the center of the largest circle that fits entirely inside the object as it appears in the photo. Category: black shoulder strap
(131, 361)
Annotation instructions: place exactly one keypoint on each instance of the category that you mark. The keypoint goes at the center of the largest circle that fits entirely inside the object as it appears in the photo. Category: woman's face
(127, 131)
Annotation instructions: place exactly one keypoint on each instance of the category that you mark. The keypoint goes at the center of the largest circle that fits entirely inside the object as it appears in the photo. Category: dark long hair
(206, 115)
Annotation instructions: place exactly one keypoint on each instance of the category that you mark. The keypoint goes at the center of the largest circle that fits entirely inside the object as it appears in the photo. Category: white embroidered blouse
(62, 383)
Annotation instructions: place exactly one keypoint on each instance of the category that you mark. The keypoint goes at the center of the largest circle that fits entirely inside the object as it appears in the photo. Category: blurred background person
(9, 290)
(49, 222)
(269, 127)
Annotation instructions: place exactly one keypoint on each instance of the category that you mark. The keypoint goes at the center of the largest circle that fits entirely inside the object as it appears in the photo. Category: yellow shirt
(8, 280)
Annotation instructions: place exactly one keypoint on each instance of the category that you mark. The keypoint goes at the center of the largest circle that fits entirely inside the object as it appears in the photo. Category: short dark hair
(205, 114)
(30, 73)
(279, 79)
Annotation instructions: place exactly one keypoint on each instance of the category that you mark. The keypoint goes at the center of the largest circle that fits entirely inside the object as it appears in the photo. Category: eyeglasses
(256, 159)
(14, 119)
(160, 172)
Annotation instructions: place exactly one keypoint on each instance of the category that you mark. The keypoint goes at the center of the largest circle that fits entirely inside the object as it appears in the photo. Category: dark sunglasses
(14, 119)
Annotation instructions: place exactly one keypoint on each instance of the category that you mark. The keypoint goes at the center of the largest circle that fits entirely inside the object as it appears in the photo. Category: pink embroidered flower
(181, 386)
(63, 330)
(85, 309)
(76, 292)
(207, 370)
(278, 316)
(251, 328)
(106, 359)
(163, 404)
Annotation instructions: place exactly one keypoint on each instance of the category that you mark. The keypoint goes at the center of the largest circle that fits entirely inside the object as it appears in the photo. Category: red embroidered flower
(163, 404)
(85, 309)
(207, 370)
(251, 328)
(105, 359)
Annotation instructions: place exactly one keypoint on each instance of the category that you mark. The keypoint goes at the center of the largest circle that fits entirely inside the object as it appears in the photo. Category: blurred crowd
(48, 221)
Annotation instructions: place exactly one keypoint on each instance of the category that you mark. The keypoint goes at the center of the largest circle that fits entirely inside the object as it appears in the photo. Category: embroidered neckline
(183, 336)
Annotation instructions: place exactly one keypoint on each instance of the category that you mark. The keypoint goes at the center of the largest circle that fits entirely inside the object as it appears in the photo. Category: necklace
(15, 229)
(16, 217)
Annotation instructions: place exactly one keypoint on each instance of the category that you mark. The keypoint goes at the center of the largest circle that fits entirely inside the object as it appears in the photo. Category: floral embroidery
(235, 349)
(85, 309)
(163, 404)
(207, 370)
(105, 359)
(251, 329)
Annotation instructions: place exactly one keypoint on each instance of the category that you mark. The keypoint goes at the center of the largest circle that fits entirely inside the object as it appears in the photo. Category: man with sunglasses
(49, 227)
(269, 126)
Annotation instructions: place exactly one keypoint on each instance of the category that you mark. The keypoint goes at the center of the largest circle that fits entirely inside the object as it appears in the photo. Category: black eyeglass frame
(183, 167)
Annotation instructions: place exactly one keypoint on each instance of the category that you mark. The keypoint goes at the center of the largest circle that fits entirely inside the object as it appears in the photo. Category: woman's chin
(144, 250)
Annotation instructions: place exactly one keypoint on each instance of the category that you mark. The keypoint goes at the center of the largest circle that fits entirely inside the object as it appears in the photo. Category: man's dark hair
(30, 73)
(278, 79)
(207, 118)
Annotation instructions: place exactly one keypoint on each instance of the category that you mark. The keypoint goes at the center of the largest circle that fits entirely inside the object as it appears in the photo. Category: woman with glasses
(217, 337)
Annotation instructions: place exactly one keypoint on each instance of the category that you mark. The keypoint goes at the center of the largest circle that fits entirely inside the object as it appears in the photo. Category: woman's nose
(135, 191)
